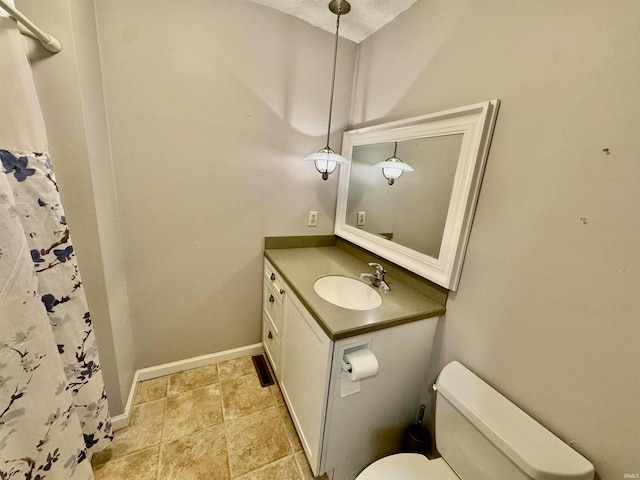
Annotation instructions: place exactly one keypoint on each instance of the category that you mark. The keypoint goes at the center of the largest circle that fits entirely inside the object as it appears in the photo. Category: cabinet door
(271, 345)
(272, 306)
(305, 368)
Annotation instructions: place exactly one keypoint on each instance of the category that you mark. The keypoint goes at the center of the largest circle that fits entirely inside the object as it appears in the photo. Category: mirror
(412, 213)
(422, 219)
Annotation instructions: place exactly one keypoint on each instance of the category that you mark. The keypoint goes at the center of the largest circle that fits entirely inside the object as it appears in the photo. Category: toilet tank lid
(533, 448)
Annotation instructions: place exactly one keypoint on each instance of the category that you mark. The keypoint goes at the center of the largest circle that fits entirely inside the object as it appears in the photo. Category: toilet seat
(408, 466)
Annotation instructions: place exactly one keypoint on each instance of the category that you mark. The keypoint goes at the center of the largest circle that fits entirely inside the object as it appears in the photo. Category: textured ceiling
(366, 16)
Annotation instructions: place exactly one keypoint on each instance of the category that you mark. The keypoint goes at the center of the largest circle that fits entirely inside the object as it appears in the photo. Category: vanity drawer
(272, 278)
(271, 344)
(272, 305)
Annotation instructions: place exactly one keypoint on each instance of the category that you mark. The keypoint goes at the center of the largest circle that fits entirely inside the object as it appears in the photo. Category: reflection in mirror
(393, 168)
(421, 220)
(413, 211)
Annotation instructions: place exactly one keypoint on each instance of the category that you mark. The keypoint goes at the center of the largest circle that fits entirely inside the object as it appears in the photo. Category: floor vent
(264, 375)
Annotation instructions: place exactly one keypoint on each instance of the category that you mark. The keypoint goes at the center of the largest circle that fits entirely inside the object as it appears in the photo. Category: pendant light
(326, 160)
(393, 167)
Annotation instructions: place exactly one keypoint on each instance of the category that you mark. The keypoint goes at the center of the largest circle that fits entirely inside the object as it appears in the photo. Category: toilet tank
(483, 436)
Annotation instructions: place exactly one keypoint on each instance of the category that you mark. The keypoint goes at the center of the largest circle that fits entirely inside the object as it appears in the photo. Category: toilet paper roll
(361, 364)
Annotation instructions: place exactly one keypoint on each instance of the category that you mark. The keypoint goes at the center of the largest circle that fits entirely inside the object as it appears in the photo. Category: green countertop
(301, 267)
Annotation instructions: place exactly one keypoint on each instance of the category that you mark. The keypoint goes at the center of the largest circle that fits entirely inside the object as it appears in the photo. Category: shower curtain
(53, 407)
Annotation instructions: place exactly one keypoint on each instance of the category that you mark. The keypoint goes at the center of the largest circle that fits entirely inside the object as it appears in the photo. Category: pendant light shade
(393, 167)
(326, 160)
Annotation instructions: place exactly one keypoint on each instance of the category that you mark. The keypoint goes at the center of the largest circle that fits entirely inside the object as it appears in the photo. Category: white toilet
(483, 436)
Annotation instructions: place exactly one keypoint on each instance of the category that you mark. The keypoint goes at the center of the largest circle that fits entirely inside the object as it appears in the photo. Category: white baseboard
(121, 421)
(195, 362)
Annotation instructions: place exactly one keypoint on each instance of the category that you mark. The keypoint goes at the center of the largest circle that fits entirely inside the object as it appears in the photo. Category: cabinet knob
(271, 299)
(281, 292)
(273, 277)
(270, 334)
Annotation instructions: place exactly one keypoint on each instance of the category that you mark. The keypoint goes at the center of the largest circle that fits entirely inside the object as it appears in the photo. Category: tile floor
(214, 422)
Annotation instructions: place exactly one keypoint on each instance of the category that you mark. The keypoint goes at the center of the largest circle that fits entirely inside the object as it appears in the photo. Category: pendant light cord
(333, 78)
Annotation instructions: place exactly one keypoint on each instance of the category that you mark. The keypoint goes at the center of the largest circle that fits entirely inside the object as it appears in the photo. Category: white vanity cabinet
(300, 357)
(306, 365)
(342, 434)
(273, 294)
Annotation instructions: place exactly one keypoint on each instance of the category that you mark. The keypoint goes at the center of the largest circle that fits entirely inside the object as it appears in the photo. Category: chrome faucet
(377, 279)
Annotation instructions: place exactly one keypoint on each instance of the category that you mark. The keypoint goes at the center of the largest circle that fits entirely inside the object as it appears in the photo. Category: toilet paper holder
(358, 362)
(350, 349)
(344, 365)
(353, 368)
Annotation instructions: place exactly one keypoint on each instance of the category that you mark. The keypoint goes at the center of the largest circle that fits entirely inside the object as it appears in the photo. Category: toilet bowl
(408, 466)
(483, 436)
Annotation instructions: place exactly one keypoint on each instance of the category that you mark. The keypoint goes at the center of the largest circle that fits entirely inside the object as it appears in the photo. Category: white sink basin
(347, 292)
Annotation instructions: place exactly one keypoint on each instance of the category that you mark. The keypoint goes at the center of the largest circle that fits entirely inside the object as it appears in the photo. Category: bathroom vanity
(344, 425)
(417, 227)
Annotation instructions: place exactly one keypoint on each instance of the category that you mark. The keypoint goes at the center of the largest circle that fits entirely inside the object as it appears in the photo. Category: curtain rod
(48, 41)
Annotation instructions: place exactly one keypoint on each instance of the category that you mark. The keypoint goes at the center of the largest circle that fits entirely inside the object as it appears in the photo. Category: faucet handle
(379, 268)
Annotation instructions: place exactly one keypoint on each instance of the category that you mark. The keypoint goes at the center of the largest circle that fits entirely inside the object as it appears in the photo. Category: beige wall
(212, 106)
(70, 90)
(547, 308)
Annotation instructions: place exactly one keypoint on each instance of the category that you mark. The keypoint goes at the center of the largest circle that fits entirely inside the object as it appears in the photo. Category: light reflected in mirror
(413, 211)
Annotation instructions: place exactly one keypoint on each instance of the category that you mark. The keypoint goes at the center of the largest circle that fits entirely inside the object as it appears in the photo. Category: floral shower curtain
(53, 407)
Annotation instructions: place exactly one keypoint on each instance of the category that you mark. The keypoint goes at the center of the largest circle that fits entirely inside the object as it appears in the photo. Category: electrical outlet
(360, 219)
(313, 218)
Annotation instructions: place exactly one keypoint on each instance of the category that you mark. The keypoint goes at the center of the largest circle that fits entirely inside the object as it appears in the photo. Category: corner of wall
(83, 19)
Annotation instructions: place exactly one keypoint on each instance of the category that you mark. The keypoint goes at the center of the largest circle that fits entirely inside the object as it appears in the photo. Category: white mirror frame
(475, 123)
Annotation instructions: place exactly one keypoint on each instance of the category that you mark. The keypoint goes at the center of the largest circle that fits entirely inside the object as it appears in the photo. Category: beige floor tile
(284, 469)
(191, 411)
(255, 440)
(307, 474)
(238, 367)
(200, 456)
(149, 390)
(243, 396)
(144, 431)
(142, 465)
(194, 378)
(277, 394)
(292, 434)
